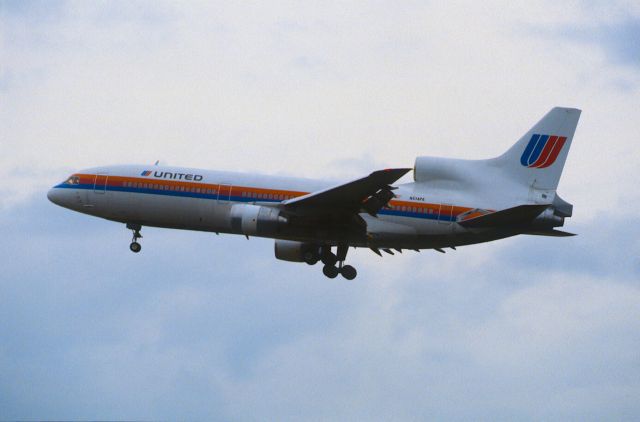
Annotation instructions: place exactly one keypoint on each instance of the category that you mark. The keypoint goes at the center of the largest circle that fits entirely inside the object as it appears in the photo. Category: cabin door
(445, 214)
(224, 192)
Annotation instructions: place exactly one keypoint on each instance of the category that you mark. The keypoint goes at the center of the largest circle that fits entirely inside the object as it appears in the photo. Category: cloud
(617, 40)
(205, 327)
(189, 83)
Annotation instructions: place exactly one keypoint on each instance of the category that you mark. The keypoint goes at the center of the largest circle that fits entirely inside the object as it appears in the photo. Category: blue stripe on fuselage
(384, 211)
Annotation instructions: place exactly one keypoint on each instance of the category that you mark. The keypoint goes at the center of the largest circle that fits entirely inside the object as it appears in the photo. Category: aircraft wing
(371, 193)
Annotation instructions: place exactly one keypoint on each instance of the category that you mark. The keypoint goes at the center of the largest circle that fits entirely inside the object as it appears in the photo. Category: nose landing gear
(135, 246)
(329, 259)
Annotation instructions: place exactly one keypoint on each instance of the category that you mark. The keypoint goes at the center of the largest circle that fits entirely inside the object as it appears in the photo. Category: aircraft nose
(55, 196)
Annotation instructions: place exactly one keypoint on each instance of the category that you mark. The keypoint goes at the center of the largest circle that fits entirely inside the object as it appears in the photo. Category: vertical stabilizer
(538, 158)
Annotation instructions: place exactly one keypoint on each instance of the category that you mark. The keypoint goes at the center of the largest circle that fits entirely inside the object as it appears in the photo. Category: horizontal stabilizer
(516, 216)
(554, 233)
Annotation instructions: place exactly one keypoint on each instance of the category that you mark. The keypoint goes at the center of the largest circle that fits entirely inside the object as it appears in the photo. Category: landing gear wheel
(310, 258)
(348, 272)
(135, 246)
(330, 271)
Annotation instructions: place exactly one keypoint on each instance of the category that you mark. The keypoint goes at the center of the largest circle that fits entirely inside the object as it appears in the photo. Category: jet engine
(256, 220)
(290, 250)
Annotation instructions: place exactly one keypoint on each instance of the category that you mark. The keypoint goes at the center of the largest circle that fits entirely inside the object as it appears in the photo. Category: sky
(199, 326)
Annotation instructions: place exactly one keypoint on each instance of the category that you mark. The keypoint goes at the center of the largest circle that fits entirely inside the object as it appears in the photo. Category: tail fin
(538, 158)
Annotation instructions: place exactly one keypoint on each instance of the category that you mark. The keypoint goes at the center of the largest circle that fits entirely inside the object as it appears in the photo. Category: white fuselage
(195, 199)
(452, 202)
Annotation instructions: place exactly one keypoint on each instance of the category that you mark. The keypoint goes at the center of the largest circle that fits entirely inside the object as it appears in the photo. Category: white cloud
(190, 84)
(324, 90)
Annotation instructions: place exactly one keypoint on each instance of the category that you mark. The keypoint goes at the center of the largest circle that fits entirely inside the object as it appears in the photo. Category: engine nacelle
(436, 169)
(256, 220)
(292, 251)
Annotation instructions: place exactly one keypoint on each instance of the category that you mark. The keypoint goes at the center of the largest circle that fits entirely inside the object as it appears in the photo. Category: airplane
(450, 203)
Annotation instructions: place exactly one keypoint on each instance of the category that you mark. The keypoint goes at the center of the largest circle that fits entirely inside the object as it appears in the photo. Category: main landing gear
(135, 246)
(329, 259)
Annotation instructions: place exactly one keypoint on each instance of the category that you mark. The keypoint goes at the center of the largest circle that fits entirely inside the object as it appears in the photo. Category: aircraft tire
(330, 271)
(135, 247)
(348, 272)
(311, 258)
(329, 259)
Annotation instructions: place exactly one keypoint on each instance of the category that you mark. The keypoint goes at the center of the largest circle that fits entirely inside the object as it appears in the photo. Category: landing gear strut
(329, 259)
(135, 246)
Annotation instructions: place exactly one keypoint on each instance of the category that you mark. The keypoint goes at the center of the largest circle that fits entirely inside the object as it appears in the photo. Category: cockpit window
(73, 180)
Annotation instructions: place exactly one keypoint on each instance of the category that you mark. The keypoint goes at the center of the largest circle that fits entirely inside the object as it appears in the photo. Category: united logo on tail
(542, 150)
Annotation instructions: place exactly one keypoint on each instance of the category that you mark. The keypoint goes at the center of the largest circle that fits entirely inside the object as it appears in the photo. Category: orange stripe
(252, 192)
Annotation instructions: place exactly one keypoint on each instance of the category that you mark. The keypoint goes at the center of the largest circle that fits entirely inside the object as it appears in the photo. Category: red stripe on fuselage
(249, 192)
